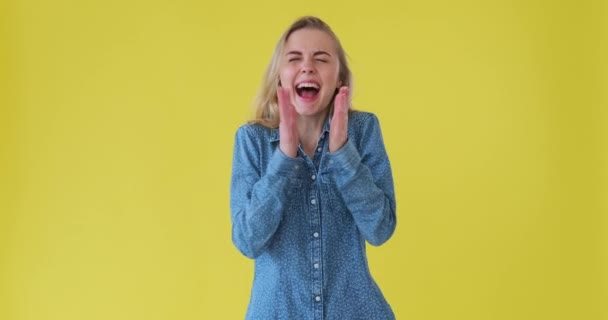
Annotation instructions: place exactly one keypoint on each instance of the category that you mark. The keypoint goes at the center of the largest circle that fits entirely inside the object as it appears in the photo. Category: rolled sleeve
(281, 164)
(344, 159)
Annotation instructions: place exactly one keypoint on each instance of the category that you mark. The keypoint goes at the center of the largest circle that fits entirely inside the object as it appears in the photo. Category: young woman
(311, 183)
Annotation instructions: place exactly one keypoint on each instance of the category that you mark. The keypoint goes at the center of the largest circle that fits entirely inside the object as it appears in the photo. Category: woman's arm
(363, 177)
(257, 200)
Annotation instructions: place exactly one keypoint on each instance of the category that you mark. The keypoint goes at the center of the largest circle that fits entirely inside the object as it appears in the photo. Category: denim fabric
(305, 222)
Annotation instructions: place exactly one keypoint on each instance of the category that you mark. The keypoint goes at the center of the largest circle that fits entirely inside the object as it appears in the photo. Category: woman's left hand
(338, 132)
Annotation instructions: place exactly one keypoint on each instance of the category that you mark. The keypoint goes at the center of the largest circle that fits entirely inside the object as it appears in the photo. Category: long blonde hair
(266, 103)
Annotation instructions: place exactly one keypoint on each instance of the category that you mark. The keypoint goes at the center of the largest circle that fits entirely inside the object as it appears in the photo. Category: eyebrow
(317, 53)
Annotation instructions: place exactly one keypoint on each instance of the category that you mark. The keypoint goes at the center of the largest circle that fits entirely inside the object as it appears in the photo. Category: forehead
(310, 40)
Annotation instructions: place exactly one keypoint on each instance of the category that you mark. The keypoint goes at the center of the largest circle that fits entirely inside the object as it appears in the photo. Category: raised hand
(339, 122)
(287, 125)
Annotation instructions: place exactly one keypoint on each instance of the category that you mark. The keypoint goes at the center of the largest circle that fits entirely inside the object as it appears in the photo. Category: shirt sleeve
(258, 197)
(364, 180)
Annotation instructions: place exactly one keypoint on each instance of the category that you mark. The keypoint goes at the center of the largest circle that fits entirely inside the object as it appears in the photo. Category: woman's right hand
(287, 126)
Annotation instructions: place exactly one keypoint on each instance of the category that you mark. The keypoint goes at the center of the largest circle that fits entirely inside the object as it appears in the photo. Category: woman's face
(310, 69)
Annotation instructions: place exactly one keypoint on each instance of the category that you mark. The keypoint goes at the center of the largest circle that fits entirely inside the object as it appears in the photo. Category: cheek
(332, 76)
(286, 76)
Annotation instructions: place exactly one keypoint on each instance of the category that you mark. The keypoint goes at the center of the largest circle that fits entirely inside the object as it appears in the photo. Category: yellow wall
(117, 121)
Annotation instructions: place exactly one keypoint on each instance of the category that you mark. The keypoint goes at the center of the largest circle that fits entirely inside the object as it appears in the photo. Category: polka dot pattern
(306, 221)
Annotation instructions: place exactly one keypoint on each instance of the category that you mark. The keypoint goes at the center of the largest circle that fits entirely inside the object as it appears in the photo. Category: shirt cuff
(281, 164)
(344, 158)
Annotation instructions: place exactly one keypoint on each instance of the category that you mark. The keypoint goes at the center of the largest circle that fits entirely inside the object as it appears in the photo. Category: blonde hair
(266, 103)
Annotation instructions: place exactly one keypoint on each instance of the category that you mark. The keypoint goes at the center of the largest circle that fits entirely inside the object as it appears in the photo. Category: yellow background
(117, 122)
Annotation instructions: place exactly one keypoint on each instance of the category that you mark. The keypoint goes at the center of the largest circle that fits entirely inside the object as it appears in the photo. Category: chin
(309, 109)
(305, 108)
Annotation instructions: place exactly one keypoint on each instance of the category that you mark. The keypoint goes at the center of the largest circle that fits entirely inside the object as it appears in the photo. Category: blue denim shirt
(305, 222)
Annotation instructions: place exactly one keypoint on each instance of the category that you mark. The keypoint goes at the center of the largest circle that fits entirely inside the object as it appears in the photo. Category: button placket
(316, 232)
(315, 220)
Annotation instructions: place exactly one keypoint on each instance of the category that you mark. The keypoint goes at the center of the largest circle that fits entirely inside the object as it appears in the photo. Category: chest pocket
(294, 186)
(294, 189)
(337, 206)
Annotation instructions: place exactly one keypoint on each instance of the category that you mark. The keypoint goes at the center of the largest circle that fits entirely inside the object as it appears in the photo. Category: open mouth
(307, 90)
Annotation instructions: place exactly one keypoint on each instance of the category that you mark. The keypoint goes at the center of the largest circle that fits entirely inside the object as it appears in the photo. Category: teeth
(308, 85)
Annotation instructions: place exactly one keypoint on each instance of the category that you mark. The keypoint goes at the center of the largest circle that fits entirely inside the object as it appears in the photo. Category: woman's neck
(309, 130)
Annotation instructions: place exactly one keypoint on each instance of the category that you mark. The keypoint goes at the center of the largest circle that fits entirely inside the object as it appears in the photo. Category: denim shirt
(305, 222)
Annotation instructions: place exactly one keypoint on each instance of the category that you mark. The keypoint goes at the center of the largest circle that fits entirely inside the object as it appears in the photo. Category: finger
(342, 100)
(339, 125)
(286, 110)
(289, 138)
(283, 97)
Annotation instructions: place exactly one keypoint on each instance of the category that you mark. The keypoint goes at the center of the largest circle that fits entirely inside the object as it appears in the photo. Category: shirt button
(313, 177)
(316, 265)
(313, 201)
(319, 149)
(316, 234)
(296, 167)
(317, 298)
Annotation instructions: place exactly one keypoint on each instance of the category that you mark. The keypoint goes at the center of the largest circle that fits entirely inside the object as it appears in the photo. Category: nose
(307, 67)
(306, 70)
